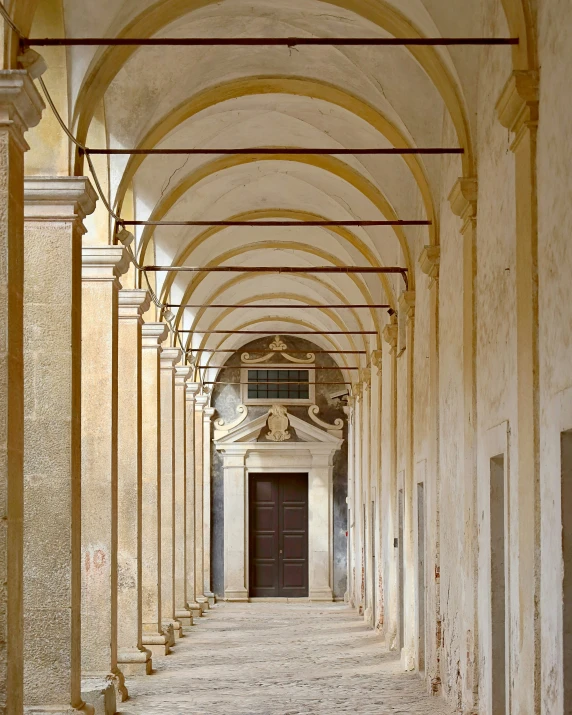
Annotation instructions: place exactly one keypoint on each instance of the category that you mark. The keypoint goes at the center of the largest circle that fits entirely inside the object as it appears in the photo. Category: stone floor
(279, 659)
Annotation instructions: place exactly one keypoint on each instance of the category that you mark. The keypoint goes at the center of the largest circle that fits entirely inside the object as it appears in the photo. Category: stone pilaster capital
(517, 106)
(357, 389)
(153, 334)
(133, 303)
(377, 360)
(182, 373)
(208, 413)
(365, 377)
(192, 390)
(58, 198)
(201, 402)
(463, 200)
(170, 357)
(21, 105)
(103, 263)
(390, 333)
(429, 260)
(407, 303)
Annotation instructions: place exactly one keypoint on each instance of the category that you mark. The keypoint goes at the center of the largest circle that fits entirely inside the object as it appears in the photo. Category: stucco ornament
(277, 345)
(278, 424)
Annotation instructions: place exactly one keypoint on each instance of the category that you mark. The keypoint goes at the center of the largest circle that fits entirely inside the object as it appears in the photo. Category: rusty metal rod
(285, 366)
(262, 41)
(276, 269)
(282, 332)
(271, 307)
(305, 384)
(290, 352)
(393, 151)
(275, 224)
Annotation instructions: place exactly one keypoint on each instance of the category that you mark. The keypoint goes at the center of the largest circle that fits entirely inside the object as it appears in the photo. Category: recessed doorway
(278, 535)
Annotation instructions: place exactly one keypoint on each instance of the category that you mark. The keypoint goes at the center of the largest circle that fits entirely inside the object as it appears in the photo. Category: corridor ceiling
(237, 97)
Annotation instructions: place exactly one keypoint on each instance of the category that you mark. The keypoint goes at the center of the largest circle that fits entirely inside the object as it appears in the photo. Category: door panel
(278, 535)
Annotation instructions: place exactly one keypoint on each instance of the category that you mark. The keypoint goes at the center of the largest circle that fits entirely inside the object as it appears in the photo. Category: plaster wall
(225, 400)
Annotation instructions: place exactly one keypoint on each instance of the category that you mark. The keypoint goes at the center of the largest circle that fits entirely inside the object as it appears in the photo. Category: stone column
(154, 638)
(169, 357)
(200, 404)
(235, 536)
(101, 268)
(133, 658)
(207, 420)
(54, 211)
(320, 536)
(365, 376)
(182, 612)
(20, 108)
(194, 606)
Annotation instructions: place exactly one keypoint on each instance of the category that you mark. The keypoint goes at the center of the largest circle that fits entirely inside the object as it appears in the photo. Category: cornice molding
(429, 260)
(517, 106)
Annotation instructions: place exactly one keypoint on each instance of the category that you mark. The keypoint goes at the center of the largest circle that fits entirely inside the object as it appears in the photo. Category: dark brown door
(278, 535)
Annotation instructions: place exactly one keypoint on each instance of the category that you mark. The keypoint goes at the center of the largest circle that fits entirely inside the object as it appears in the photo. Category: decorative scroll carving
(278, 424)
(277, 346)
(334, 429)
(222, 428)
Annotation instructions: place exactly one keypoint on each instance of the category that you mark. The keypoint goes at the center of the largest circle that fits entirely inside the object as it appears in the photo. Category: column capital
(208, 413)
(201, 402)
(517, 106)
(377, 360)
(21, 105)
(429, 260)
(390, 334)
(192, 390)
(182, 373)
(153, 334)
(103, 263)
(357, 389)
(407, 303)
(133, 303)
(463, 200)
(170, 357)
(58, 198)
(365, 377)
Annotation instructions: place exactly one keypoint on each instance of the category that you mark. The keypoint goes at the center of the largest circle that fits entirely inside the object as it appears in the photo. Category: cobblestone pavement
(280, 659)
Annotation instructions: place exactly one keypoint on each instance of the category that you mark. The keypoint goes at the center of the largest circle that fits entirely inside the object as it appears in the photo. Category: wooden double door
(278, 535)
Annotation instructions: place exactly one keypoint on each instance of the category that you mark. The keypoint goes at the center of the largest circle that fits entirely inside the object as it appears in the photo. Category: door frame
(312, 458)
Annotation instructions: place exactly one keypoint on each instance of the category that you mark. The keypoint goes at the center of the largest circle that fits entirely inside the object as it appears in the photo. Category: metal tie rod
(276, 269)
(259, 366)
(263, 41)
(274, 224)
(285, 307)
(290, 352)
(305, 384)
(392, 151)
(282, 332)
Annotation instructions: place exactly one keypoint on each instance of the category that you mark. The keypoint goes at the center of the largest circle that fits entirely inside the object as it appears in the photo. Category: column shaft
(153, 637)
(54, 212)
(20, 108)
(134, 659)
(208, 414)
(169, 356)
(195, 607)
(200, 404)
(182, 612)
(102, 265)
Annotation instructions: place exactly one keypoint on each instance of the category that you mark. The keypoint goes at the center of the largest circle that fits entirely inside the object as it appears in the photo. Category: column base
(321, 594)
(135, 661)
(238, 595)
(157, 643)
(84, 709)
(209, 595)
(203, 602)
(185, 617)
(176, 627)
(195, 609)
(101, 693)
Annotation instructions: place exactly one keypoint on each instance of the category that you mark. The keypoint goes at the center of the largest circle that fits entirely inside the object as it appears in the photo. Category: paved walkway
(279, 659)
